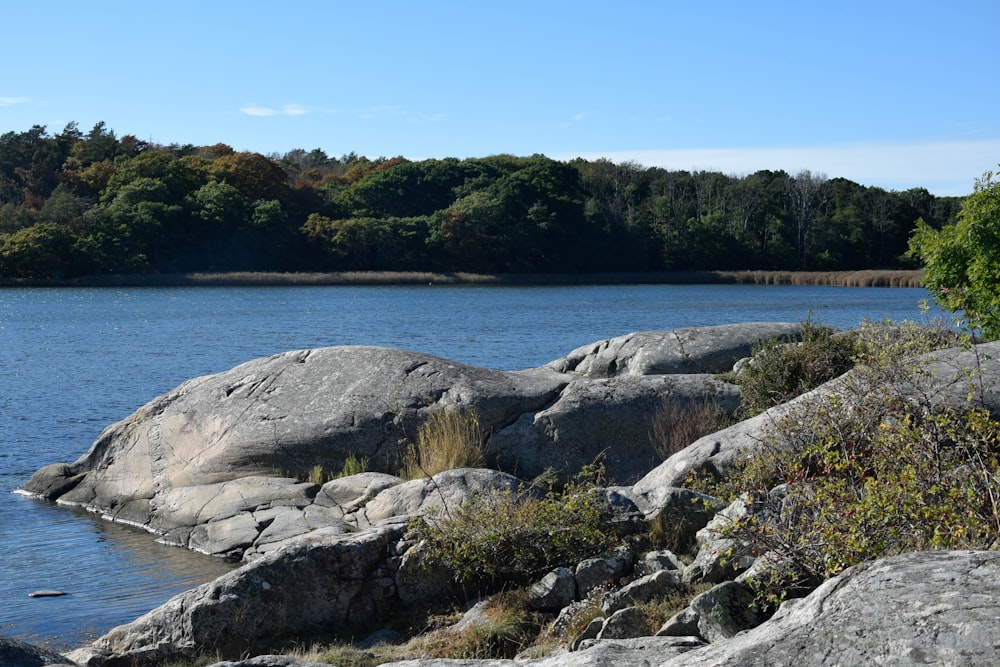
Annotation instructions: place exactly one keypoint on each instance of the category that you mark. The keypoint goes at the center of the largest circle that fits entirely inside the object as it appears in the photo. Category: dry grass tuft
(448, 439)
(678, 423)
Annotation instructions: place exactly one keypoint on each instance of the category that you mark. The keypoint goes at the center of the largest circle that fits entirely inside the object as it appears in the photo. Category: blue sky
(886, 93)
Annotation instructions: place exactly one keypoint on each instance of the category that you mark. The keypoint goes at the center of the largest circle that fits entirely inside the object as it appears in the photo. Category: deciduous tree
(962, 260)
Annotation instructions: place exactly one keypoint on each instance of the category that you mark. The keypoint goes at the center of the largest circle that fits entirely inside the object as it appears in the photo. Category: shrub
(502, 538)
(780, 370)
(678, 423)
(873, 470)
(448, 439)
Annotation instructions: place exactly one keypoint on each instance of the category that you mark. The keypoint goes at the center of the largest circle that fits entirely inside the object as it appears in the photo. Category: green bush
(781, 370)
(501, 538)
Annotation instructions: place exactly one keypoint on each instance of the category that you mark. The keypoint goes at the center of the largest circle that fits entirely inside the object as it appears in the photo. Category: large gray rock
(936, 607)
(202, 464)
(555, 590)
(314, 584)
(14, 653)
(287, 413)
(720, 558)
(326, 578)
(717, 614)
(607, 419)
(684, 351)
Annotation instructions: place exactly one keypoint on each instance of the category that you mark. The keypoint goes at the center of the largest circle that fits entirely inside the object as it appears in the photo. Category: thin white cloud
(577, 117)
(254, 110)
(286, 110)
(943, 167)
(11, 101)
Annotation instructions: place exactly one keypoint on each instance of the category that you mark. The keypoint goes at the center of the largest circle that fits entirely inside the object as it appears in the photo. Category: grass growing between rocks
(447, 440)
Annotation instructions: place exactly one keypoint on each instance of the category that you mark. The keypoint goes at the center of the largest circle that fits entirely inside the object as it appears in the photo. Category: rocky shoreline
(197, 466)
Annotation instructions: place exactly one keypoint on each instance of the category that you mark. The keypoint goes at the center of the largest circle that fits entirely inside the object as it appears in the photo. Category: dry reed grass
(864, 278)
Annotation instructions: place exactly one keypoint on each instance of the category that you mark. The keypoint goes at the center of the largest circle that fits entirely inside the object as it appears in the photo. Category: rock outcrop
(936, 607)
(198, 465)
(682, 352)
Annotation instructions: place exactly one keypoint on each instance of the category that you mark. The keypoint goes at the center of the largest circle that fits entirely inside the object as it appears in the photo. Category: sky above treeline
(886, 93)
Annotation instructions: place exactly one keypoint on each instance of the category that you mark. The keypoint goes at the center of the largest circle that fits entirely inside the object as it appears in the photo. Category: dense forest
(77, 204)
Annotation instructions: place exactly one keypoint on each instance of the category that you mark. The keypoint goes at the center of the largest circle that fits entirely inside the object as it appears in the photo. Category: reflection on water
(117, 569)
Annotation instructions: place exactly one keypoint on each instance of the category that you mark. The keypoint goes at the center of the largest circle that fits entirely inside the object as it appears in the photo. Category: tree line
(76, 204)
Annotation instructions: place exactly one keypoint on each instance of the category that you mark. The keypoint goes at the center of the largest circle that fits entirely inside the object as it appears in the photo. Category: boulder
(684, 351)
(608, 419)
(317, 583)
(289, 413)
(593, 573)
(627, 623)
(14, 653)
(719, 613)
(934, 607)
(555, 590)
(643, 589)
(446, 489)
(720, 558)
(654, 561)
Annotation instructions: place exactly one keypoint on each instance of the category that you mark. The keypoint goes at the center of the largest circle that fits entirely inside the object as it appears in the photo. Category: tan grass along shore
(863, 278)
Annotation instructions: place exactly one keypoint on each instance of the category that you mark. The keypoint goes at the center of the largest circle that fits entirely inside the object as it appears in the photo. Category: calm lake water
(75, 360)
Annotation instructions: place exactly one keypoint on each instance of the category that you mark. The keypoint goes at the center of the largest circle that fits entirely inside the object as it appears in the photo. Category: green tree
(39, 251)
(962, 260)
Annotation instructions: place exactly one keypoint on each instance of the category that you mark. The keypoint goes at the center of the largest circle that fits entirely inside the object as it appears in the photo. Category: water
(75, 360)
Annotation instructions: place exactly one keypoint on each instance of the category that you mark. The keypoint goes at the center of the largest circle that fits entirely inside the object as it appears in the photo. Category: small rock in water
(46, 594)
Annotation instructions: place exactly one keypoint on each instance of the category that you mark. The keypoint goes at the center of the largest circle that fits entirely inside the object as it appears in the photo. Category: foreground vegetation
(81, 204)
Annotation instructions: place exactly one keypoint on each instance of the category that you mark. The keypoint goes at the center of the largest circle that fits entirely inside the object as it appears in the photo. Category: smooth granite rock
(684, 351)
(214, 464)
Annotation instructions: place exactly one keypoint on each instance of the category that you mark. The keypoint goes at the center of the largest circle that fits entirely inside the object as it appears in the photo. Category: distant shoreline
(863, 278)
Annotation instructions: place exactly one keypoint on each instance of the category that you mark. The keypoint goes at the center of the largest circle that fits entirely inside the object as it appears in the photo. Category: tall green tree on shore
(962, 260)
